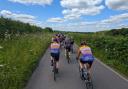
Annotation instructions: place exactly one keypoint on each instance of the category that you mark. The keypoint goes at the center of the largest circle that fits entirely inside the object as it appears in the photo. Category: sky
(68, 15)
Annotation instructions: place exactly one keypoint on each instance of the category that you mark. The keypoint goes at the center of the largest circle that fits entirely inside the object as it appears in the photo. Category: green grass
(19, 57)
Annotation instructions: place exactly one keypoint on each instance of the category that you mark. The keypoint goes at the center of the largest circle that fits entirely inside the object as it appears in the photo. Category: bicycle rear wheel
(89, 84)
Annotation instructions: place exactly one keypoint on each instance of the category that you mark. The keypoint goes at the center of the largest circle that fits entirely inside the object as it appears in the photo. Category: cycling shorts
(84, 62)
(55, 56)
(68, 48)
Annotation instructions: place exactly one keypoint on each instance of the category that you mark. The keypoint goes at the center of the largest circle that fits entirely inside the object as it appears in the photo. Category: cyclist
(62, 39)
(85, 57)
(55, 36)
(55, 52)
(67, 45)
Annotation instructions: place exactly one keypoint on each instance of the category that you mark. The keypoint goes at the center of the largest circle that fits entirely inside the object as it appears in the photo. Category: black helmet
(83, 43)
(55, 40)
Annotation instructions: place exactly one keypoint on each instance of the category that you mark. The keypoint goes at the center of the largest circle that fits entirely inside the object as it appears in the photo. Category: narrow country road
(68, 77)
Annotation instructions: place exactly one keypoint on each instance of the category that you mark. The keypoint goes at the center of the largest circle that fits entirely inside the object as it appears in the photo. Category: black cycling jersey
(67, 42)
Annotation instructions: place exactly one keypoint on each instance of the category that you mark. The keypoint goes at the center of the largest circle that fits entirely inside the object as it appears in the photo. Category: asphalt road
(68, 77)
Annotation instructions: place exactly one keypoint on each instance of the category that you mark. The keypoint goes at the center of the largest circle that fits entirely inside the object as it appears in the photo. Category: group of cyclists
(84, 55)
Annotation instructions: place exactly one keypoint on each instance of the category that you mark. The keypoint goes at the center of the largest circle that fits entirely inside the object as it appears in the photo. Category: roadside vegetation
(21, 47)
(109, 46)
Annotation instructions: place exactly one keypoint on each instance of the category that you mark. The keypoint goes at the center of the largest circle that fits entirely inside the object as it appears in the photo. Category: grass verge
(19, 57)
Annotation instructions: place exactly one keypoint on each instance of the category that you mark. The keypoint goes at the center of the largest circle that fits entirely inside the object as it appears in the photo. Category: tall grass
(19, 57)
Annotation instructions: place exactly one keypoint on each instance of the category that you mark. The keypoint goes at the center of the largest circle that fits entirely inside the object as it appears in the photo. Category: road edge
(111, 69)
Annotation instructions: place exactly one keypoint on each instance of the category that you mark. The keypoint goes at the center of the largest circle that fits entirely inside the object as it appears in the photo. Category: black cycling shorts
(84, 62)
(55, 56)
(68, 48)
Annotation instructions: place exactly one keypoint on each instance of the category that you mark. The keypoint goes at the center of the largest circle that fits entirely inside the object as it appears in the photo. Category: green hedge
(112, 50)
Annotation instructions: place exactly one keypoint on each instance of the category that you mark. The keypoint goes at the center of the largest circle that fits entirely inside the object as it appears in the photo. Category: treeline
(9, 28)
(116, 32)
(122, 31)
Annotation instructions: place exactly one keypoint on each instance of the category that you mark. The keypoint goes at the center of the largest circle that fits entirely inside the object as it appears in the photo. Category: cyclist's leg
(69, 52)
(82, 68)
(65, 51)
(57, 66)
(51, 61)
(57, 61)
(52, 55)
(81, 63)
(88, 65)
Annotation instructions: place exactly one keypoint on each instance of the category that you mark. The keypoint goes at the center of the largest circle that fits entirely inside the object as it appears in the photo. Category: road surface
(68, 77)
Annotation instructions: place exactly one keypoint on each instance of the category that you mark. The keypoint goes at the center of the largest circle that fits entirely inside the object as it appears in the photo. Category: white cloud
(57, 19)
(79, 3)
(20, 17)
(117, 4)
(76, 8)
(116, 18)
(116, 21)
(79, 28)
(37, 2)
(76, 12)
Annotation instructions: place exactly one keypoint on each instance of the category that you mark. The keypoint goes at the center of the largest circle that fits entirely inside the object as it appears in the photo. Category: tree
(48, 29)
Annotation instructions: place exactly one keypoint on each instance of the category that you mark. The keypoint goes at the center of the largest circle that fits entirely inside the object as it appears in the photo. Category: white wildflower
(1, 47)
(30, 50)
(1, 65)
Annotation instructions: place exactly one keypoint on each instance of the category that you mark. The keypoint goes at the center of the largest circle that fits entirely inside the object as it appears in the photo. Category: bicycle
(84, 75)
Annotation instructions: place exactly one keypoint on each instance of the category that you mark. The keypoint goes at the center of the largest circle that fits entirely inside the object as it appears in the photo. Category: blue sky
(68, 15)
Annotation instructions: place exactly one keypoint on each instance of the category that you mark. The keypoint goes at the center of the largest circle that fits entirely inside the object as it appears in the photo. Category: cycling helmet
(55, 40)
(83, 43)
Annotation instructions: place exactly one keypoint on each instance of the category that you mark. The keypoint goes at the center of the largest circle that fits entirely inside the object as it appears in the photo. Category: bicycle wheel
(89, 85)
